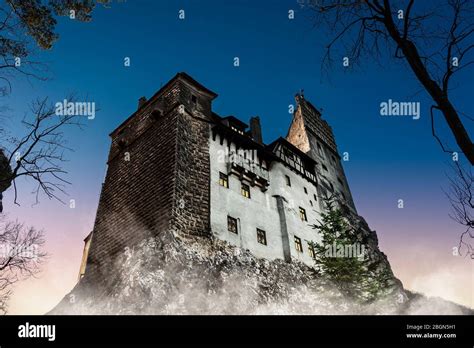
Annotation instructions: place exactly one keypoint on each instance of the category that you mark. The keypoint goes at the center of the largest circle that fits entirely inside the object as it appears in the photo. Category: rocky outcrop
(198, 275)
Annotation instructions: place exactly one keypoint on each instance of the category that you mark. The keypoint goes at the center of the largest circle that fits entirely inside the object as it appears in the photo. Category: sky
(390, 158)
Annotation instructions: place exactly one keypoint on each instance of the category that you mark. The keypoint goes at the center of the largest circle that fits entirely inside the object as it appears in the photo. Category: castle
(176, 166)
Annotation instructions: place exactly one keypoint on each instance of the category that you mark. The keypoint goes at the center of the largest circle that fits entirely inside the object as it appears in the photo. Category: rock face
(197, 275)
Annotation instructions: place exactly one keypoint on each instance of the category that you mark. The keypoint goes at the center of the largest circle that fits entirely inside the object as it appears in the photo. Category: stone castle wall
(157, 177)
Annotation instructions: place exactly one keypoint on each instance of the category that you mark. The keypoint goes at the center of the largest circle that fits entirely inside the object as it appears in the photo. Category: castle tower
(158, 172)
(313, 135)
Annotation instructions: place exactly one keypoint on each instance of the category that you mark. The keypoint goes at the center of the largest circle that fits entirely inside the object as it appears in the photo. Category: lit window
(261, 236)
(245, 190)
(237, 130)
(288, 181)
(305, 190)
(311, 251)
(232, 224)
(223, 180)
(303, 214)
(298, 244)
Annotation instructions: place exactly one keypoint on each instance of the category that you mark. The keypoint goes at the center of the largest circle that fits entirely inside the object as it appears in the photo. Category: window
(194, 99)
(232, 225)
(290, 155)
(223, 180)
(245, 190)
(298, 245)
(320, 150)
(315, 197)
(305, 190)
(343, 195)
(340, 181)
(311, 251)
(332, 187)
(303, 214)
(238, 130)
(288, 181)
(261, 236)
(324, 167)
(311, 202)
(333, 159)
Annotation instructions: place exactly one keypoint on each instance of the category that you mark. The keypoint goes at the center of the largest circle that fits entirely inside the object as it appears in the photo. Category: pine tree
(350, 273)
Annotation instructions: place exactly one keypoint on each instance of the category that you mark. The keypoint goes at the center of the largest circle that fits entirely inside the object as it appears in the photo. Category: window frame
(298, 244)
(311, 251)
(261, 236)
(235, 222)
(223, 180)
(320, 150)
(246, 191)
(303, 215)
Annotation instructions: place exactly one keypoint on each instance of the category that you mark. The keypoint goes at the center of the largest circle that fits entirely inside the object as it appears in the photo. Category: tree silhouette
(21, 254)
(434, 38)
(39, 154)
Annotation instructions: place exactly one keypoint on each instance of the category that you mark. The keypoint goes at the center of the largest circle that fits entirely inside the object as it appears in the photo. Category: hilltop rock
(203, 276)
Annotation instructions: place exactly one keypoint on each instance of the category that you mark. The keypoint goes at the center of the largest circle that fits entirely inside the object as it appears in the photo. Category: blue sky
(390, 158)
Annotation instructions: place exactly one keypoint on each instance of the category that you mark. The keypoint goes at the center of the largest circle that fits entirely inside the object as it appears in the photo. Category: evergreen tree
(354, 274)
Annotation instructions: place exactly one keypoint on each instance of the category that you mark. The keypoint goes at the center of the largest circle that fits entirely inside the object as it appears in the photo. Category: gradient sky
(390, 158)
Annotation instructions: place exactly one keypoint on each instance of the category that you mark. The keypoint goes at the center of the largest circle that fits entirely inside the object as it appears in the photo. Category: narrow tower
(313, 135)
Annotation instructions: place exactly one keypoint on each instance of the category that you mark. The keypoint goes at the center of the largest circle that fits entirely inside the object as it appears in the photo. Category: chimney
(256, 129)
(141, 101)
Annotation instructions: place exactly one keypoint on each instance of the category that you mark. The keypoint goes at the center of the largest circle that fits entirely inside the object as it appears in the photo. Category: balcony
(242, 166)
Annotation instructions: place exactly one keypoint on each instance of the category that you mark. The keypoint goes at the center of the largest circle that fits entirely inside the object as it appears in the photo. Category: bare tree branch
(39, 155)
(461, 197)
(21, 255)
(434, 40)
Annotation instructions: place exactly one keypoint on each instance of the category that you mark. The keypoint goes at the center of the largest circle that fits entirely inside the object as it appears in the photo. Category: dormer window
(235, 124)
(237, 130)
